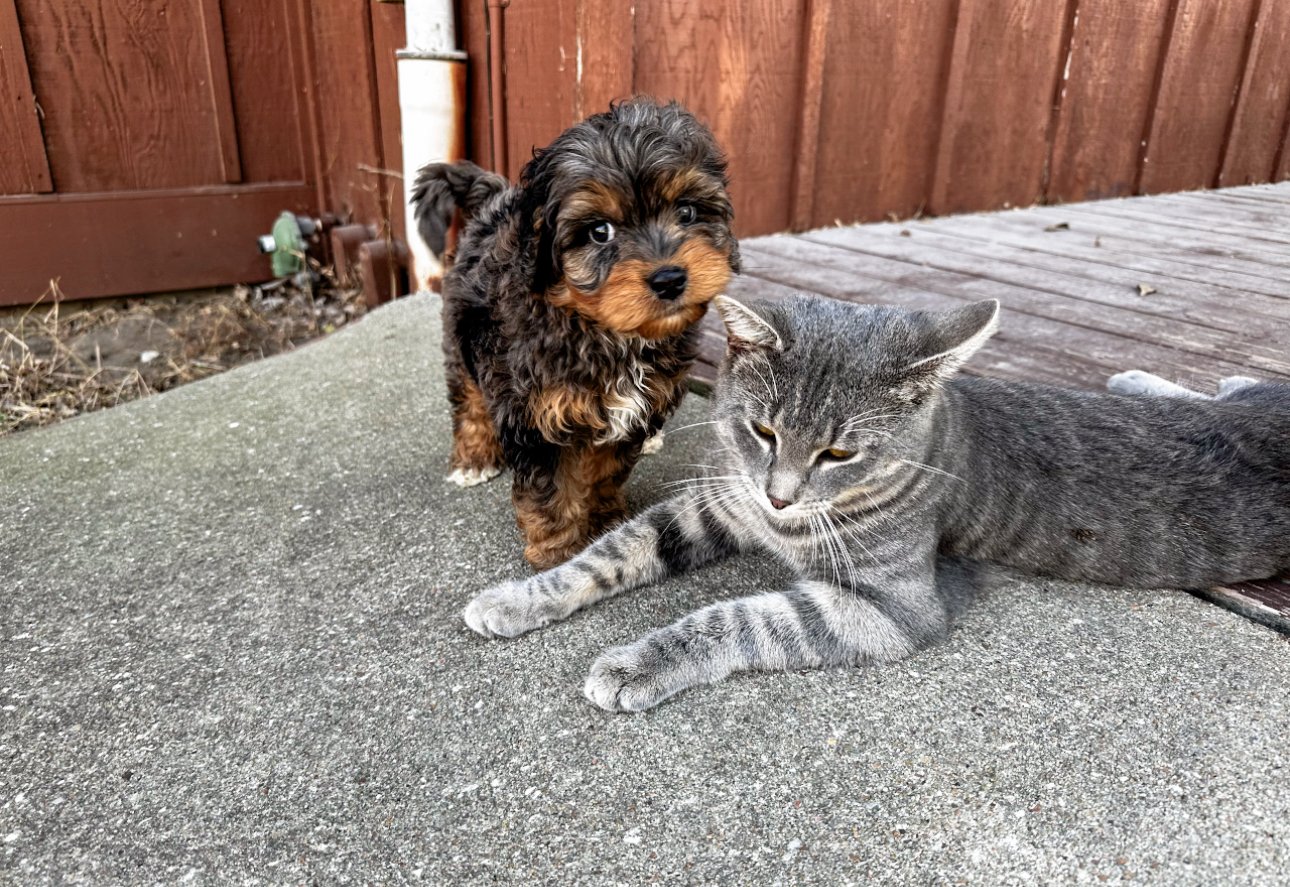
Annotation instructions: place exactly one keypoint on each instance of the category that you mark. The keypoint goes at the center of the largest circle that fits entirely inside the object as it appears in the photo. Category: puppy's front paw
(508, 610)
(625, 679)
(471, 477)
(652, 445)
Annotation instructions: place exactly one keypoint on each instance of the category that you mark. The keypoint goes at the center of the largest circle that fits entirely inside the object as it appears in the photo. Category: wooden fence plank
(158, 240)
(472, 36)
(1115, 53)
(1198, 86)
(388, 37)
(1004, 67)
(738, 66)
(1261, 109)
(885, 75)
(26, 168)
(541, 38)
(221, 92)
(269, 121)
(133, 74)
(806, 165)
(349, 105)
(606, 32)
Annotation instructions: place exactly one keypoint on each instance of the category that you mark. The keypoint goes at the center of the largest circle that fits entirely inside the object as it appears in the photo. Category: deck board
(1068, 278)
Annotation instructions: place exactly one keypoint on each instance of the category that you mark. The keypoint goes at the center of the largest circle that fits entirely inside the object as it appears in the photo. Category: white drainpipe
(432, 97)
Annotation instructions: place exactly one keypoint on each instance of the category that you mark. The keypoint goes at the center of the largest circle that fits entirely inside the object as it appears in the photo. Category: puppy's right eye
(602, 232)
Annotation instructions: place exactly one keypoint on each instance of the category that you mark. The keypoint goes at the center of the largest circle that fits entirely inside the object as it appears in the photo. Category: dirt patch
(59, 359)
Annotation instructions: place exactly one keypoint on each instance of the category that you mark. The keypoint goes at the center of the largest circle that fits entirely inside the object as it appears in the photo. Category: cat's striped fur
(1151, 491)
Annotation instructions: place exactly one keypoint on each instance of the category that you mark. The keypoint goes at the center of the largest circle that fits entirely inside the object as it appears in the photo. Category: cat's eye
(836, 454)
(764, 431)
(686, 214)
(602, 232)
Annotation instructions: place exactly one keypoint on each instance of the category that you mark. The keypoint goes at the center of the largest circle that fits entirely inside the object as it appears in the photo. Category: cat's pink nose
(778, 503)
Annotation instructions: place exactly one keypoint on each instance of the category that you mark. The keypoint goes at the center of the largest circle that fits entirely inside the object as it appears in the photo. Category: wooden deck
(1192, 286)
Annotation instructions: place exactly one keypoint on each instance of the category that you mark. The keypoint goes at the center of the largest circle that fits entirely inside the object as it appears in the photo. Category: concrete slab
(231, 651)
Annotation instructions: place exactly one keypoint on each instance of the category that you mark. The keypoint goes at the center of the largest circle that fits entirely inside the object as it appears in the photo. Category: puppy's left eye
(686, 214)
(602, 232)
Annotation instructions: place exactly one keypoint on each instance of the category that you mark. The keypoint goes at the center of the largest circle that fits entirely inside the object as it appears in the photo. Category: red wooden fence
(850, 110)
(145, 143)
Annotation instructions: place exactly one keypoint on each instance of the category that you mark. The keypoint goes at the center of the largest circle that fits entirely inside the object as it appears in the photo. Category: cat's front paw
(508, 610)
(627, 679)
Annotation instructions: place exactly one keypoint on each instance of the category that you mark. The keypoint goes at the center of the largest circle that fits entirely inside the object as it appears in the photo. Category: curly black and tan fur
(571, 306)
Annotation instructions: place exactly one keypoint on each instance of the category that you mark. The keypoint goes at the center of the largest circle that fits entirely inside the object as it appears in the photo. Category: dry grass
(58, 360)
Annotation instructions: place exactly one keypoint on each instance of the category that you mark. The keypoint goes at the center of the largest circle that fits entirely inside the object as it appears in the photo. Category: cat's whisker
(699, 483)
(932, 468)
(865, 419)
(852, 535)
(716, 493)
(688, 427)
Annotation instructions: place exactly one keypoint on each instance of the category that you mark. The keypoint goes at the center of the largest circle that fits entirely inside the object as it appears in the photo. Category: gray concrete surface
(231, 652)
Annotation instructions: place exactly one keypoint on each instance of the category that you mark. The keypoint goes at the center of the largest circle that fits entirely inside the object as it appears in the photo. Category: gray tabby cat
(852, 452)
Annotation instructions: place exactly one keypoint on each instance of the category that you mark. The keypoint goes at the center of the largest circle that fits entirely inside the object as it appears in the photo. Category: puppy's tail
(442, 187)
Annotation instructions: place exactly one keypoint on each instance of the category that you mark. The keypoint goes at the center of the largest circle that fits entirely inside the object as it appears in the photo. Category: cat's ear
(746, 330)
(955, 337)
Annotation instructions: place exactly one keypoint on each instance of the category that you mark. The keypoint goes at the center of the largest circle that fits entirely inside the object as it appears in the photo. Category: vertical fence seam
(1238, 93)
(1166, 42)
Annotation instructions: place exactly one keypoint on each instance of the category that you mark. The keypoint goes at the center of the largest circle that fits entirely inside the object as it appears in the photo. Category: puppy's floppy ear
(746, 330)
(540, 210)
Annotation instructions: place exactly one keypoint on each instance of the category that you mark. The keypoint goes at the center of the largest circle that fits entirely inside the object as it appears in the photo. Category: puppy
(570, 309)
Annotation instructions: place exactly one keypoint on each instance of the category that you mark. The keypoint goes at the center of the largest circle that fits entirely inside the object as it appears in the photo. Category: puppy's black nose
(668, 282)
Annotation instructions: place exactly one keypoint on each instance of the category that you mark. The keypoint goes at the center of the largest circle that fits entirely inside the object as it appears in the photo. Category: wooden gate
(146, 143)
(856, 110)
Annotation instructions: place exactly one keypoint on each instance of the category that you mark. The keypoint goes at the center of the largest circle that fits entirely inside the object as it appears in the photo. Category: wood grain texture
(1074, 315)
(349, 107)
(267, 105)
(388, 36)
(138, 242)
(1098, 241)
(807, 153)
(1014, 262)
(885, 76)
(1009, 267)
(124, 89)
(1106, 99)
(1259, 123)
(738, 67)
(1198, 86)
(472, 36)
(853, 251)
(221, 92)
(541, 41)
(1283, 159)
(605, 61)
(25, 169)
(998, 110)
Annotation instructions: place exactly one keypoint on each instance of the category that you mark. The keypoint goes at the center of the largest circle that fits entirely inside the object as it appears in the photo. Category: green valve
(287, 244)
